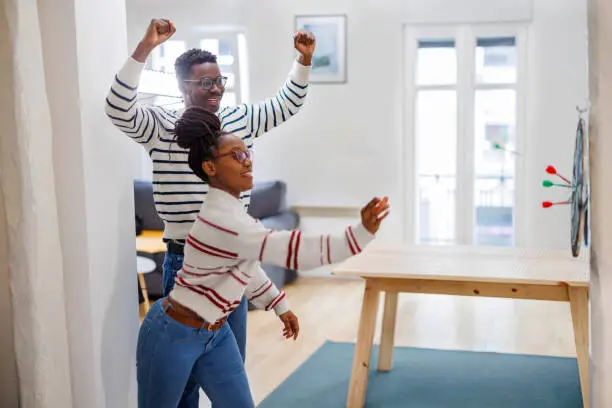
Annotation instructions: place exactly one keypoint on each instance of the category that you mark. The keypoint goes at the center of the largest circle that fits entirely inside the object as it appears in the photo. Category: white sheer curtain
(29, 198)
(8, 370)
(67, 247)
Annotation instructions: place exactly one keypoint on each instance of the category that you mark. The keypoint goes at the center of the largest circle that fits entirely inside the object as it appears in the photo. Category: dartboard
(579, 199)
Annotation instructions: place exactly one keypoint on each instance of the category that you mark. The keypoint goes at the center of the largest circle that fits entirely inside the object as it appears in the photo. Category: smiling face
(232, 169)
(195, 94)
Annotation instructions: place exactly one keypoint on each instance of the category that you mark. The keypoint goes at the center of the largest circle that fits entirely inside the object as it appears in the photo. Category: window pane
(495, 126)
(231, 80)
(436, 134)
(221, 48)
(169, 102)
(496, 60)
(494, 212)
(436, 62)
(225, 60)
(158, 83)
(211, 45)
(225, 47)
(166, 54)
(229, 99)
(436, 210)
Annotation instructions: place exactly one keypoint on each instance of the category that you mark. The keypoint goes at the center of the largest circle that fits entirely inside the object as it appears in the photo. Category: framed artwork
(329, 59)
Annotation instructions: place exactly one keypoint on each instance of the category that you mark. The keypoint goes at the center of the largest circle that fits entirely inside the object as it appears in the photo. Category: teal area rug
(425, 378)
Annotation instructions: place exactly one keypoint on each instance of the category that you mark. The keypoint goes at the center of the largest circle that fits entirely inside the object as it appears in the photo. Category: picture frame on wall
(329, 59)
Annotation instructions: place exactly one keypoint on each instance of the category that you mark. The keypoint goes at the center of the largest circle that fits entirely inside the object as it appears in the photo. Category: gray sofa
(268, 204)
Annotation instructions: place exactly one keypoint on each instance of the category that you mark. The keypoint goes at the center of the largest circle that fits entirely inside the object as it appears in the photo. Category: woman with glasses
(184, 335)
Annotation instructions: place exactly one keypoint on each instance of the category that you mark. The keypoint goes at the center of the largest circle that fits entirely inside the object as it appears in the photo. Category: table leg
(387, 336)
(145, 294)
(579, 304)
(363, 348)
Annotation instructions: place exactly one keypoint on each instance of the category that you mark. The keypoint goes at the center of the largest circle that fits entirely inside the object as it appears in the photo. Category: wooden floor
(328, 309)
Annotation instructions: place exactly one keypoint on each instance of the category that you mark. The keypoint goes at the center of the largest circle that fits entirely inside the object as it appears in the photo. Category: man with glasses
(178, 193)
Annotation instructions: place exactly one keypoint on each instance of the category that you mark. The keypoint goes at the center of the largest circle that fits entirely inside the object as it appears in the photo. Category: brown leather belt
(188, 317)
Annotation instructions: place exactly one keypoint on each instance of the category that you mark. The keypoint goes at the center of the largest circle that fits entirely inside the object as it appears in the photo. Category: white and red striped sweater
(224, 250)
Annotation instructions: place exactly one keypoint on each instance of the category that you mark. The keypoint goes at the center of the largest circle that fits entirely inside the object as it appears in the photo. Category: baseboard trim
(327, 212)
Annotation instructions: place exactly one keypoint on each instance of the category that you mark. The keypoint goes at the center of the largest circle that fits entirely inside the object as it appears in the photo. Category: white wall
(349, 137)
(557, 83)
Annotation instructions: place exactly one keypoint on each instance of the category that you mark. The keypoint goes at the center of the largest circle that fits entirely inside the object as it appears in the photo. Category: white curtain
(67, 247)
(32, 226)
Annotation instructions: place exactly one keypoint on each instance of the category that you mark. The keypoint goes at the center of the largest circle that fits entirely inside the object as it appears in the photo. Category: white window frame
(465, 36)
(232, 37)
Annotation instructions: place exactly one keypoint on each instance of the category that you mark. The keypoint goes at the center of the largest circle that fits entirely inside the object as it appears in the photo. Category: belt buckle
(215, 326)
(175, 243)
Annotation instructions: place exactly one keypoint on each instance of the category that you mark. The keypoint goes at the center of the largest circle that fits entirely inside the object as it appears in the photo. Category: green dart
(548, 183)
(500, 147)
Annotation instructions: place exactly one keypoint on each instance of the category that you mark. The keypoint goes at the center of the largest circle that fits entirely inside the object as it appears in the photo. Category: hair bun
(194, 124)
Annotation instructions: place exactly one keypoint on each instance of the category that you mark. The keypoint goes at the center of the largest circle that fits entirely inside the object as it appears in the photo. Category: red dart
(552, 170)
(548, 204)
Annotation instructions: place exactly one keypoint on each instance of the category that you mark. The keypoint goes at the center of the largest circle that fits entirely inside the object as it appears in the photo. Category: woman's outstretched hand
(291, 326)
(374, 212)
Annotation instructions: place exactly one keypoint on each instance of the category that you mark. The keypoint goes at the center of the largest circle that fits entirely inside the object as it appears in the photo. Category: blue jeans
(237, 321)
(170, 353)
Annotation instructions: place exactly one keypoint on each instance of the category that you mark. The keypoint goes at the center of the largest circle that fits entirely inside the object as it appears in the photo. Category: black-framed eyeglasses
(207, 83)
(240, 156)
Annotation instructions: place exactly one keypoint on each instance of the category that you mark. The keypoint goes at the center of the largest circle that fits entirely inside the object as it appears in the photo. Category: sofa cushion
(280, 222)
(267, 199)
(144, 206)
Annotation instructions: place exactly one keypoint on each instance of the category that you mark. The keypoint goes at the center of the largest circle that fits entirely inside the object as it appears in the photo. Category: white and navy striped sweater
(224, 250)
(178, 193)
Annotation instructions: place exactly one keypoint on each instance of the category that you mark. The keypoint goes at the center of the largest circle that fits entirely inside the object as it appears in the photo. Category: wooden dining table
(500, 272)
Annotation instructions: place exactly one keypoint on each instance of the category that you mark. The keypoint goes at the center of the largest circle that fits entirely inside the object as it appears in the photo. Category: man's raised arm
(140, 122)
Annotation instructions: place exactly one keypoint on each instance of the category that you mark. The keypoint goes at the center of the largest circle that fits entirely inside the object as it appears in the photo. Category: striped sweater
(178, 193)
(224, 250)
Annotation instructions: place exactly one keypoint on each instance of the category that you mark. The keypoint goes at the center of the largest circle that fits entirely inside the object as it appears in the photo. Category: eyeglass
(207, 83)
(240, 156)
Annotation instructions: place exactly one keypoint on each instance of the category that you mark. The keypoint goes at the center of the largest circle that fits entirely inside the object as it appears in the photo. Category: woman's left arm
(265, 295)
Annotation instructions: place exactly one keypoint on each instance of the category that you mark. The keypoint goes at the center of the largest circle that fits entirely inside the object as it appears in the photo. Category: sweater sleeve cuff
(130, 72)
(362, 235)
(300, 73)
(282, 307)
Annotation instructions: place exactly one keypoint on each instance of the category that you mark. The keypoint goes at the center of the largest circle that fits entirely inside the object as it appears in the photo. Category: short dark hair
(194, 56)
(199, 131)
